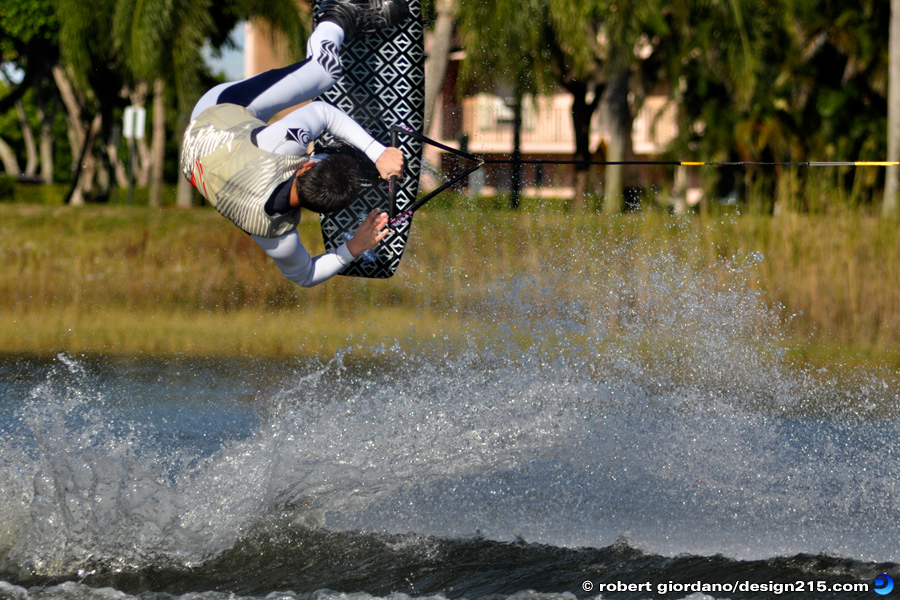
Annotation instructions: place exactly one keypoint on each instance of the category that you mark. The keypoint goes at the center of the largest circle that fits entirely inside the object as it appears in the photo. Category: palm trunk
(438, 56)
(8, 159)
(31, 153)
(892, 182)
(144, 164)
(46, 140)
(158, 147)
(80, 140)
(85, 167)
(582, 112)
(47, 164)
(73, 110)
(619, 119)
(185, 193)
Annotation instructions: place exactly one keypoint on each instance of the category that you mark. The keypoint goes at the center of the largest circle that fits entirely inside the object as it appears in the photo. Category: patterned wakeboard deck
(382, 85)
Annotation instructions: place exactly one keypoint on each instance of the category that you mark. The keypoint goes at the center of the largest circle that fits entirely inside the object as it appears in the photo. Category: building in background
(483, 124)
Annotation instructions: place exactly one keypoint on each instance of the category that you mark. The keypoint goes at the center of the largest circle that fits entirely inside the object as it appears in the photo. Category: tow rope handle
(397, 130)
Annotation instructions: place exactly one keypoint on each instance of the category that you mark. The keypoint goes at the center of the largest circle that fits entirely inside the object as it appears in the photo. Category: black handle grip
(392, 183)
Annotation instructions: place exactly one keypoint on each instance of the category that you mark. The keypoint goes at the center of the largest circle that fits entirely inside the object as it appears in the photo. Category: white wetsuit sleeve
(291, 134)
(296, 264)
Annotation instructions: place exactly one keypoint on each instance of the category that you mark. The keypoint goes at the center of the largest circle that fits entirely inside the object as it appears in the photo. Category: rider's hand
(390, 163)
(370, 233)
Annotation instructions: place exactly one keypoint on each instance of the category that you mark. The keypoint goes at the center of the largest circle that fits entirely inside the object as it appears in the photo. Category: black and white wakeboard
(382, 85)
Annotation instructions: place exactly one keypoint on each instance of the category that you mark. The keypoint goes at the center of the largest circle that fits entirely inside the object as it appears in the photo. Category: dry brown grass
(117, 279)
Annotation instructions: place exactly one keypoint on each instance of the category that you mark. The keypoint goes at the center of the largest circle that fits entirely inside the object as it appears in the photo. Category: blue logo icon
(883, 585)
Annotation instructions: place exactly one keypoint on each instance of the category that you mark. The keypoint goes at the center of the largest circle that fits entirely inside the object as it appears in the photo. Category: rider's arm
(292, 134)
(296, 264)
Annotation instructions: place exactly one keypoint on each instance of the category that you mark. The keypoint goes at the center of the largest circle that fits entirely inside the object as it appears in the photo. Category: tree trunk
(8, 159)
(73, 111)
(85, 167)
(619, 120)
(47, 160)
(185, 193)
(582, 112)
(438, 56)
(31, 153)
(112, 150)
(80, 139)
(46, 141)
(106, 163)
(142, 160)
(144, 165)
(185, 196)
(159, 144)
(892, 182)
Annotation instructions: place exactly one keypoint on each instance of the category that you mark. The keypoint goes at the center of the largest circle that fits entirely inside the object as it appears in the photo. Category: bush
(7, 187)
(38, 193)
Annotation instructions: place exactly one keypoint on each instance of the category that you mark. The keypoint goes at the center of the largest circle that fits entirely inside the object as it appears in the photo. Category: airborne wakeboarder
(259, 175)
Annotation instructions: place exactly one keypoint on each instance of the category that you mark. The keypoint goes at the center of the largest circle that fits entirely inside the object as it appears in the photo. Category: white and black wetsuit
(263, 96)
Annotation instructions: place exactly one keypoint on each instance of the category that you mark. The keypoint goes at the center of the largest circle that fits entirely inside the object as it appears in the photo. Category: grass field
(134, 280)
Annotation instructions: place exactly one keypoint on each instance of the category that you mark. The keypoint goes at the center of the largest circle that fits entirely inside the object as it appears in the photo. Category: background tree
(103, 55)
(786, 80)
(28, 49)
(627, 35)
(28, 30)
(591, 48)
(505, 44)
(892, 183)
(91, 79)
(443, 15)
(790, 80)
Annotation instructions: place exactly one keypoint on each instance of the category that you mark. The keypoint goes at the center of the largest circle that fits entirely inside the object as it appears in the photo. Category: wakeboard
(382, 85)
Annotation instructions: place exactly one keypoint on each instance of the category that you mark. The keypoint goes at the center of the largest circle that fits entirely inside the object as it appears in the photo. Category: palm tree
(106, 46)
(161, 42)
(628, 35)
(89, 81)
(716, 52)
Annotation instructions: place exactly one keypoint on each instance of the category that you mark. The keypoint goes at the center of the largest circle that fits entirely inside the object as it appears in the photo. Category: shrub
(7, 187)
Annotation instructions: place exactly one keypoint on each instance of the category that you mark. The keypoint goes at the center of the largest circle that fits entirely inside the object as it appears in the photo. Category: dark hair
(329, 185)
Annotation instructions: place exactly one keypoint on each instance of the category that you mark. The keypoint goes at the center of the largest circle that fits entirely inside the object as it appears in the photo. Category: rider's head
(328, 185)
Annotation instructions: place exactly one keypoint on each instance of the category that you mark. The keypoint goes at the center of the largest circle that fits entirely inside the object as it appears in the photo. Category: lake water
(678, 453)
